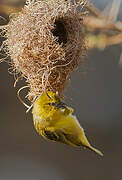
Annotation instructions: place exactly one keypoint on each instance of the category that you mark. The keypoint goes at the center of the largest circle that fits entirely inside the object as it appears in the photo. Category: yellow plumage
(54, 120)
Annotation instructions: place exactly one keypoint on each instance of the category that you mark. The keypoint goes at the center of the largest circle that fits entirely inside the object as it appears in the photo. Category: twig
(7, 9)
(91, 8)
(101, 40)
(92, 23)
(102, 20)
(116, 39)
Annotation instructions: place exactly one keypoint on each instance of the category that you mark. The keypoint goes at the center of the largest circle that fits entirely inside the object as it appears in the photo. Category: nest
(46, 43)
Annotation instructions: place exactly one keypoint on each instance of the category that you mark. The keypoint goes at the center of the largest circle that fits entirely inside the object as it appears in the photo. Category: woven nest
(46, 43)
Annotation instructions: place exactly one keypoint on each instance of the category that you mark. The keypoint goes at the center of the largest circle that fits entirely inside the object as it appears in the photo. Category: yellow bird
(54, 121)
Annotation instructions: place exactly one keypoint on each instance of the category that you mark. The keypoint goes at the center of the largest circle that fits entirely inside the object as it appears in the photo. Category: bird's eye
(58, 105)
(52, 104)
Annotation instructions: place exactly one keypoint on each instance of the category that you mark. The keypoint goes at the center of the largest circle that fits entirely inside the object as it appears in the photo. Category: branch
(102, 40)
(9, 9)
(93, 23)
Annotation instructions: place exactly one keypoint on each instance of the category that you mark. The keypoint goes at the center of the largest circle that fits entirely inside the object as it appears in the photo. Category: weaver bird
(55, 121)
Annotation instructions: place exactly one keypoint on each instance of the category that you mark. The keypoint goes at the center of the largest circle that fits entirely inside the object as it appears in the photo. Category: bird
(55, 121)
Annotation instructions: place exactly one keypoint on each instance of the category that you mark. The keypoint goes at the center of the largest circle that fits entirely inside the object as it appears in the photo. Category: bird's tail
(95, 150)
(85, 143)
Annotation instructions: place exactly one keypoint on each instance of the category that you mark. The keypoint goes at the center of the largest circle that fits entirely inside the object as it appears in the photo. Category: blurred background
(96, 97)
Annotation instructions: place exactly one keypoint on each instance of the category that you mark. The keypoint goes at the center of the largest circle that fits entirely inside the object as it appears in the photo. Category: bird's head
(47, 104)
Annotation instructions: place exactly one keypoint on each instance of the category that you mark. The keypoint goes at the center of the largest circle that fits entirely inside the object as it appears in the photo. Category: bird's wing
(59, 135)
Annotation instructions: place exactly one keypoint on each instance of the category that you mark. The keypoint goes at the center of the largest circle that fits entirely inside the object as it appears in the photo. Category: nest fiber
(46, 43)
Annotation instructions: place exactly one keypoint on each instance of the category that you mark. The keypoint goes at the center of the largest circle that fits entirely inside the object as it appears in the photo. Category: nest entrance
(60, 31)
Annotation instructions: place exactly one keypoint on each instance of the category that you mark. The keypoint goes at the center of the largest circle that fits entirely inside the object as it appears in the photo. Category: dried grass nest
(46, 43)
